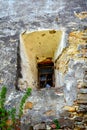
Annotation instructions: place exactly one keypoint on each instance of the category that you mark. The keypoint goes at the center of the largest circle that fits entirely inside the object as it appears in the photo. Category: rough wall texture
(17, 16)
(35, 15)
(71, 63)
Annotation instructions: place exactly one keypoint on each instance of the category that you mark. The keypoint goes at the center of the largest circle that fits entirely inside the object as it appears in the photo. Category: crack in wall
(18, 71)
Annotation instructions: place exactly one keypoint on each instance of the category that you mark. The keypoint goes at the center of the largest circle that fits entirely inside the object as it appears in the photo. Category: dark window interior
(46, 74)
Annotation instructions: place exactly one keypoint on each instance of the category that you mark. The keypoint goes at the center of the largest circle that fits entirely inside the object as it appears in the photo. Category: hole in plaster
(52, 31)
(43, 34)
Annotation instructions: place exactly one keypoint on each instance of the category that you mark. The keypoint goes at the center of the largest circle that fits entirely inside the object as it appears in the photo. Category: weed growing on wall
(27, 94)
(10, 115)
(56, 123)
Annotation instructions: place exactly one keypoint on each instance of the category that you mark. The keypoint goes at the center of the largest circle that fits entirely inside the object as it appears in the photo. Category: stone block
(69, 108)
(66, 123)
(78, 119)
(26, 127)
(82, 101)
(82, 96)
(82, 108)
(83, 91)
(49, 113)
(65, 114)
(40, 126)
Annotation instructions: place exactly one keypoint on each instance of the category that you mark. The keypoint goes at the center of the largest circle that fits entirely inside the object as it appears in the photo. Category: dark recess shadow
(18, 71)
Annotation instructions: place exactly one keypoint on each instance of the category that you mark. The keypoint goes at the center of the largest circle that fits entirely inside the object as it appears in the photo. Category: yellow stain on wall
(35, 47)
(42, 43)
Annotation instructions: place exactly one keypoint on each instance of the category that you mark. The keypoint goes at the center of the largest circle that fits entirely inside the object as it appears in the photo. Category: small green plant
(3, 96)
(24, 98)
(56, 122)
(3, 112)
(10, 114)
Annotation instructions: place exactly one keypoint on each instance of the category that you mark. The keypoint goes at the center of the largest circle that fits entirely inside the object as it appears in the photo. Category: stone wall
(71, 64)
(17, 16)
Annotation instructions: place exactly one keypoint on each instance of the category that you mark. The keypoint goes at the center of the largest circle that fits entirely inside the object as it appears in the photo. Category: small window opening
(46, 74)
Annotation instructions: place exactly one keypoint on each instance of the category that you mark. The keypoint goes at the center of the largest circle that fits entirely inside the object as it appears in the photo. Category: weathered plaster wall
(16, 16)
(35, 15)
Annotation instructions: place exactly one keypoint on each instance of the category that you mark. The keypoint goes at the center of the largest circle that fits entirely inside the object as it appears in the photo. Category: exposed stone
(79, 55)
(79, 85)
(83, 91)
(40, 126)
(70, 109)
(79, 119)
(85, 55)
(66, 123)
(49, 113)
(25, 126)
(82, 96)
(85, 120)
(85, 80)
(65, 114)
(82, 84)
(70, 90)
(78, 123)
(80, 127)
(28, 105)
(48, 127)
(81, 15)
(82, 101)
(82, 108)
